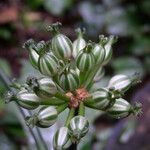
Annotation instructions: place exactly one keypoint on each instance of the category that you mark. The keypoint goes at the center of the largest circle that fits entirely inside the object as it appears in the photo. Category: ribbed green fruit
(69, 80)
(33, 54)
(101, 99)
(43, 87)
(26, 99)
(61, 139)
(79, 43)
(78, 128)
(61, 44)
(99, 53)
(108, 49)
(122, 109)
(45, 117)
(48, 64)
(85, 59)
(120, 82)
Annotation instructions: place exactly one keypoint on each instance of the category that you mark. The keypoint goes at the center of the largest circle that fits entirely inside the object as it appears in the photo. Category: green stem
(52, 101)
(61, 108)
(91, 76)
(81, 109)
(62, 97)
(54, 78)
(81, 77)
(90, 103)
(91, 106)
(88, 100)
(70, 116)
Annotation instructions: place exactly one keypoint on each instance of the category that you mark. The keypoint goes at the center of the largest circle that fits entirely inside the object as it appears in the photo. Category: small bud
(33, 57)
(85, 59)
(45, 117)
(79, 43)
(33, 53)
(69, 80)
(43, 87)
(27, 100)
(101, 99)
(48, 64)
(122, 82)
(99, 53)
(108, 48)
(61, 139)
(78, 128)
(122, 109)
(61, 44)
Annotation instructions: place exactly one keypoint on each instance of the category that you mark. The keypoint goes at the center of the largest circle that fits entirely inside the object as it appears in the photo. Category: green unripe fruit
(123, 82)
(79, 43)
(61, 139)
(108, 49)
(34, 57)
(69, 80)
(33, 54)
(43, 87)
(99, 53)
(45, 117)
(28, 100)
(85, 60)
(61, 44)
(101, 99)
(122, 108)
(48, 64)
(25, 99)
(78, 128)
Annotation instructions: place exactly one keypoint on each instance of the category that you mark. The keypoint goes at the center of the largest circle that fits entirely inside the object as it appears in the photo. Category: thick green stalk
(62, 97)
(90, 76)
(52, 101)
(81, 109)
(81, 77)
(90, 103)
(70, 116)
(61, 108)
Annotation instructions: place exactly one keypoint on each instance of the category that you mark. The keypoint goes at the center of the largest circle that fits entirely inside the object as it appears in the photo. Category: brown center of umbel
(80, 95)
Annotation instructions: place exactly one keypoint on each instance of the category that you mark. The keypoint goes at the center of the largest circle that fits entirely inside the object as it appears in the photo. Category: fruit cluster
(69, 71)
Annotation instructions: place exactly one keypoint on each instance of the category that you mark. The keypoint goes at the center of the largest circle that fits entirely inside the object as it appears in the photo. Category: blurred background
(128, 19)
